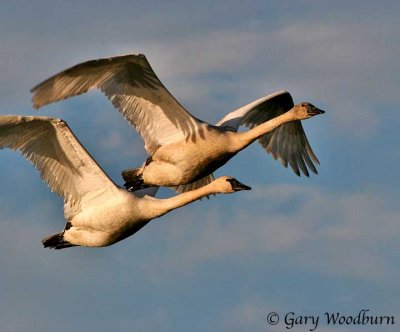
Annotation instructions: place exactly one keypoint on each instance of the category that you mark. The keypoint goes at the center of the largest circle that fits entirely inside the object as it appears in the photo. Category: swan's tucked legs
(133, 178)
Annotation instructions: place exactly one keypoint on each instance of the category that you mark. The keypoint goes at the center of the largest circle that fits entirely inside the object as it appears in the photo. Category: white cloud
(346, 67)
(346, 234)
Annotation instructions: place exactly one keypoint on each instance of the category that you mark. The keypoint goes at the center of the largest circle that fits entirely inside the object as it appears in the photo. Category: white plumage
(184, 150)
(98, 212)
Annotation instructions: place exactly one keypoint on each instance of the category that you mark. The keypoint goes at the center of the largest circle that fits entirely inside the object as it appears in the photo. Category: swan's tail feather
(56, 241)
(133, 180)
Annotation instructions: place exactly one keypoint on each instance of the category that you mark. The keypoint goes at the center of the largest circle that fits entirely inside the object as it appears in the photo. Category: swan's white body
(177, 163)
(98, 212)
(184, 149)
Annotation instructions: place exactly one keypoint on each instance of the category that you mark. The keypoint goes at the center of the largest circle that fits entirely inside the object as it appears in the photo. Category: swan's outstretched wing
(288, 143)
(194, 185)
(133, 88)
(63, 162)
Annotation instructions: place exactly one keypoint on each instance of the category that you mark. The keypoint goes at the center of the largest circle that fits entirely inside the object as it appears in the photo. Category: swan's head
(228, 184)
(306, 110)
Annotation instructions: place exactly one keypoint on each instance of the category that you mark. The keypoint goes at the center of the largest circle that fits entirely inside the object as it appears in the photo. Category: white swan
(184, 149)
(98, 213)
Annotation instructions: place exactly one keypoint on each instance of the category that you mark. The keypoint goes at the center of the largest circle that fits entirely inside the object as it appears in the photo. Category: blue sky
(307, 245)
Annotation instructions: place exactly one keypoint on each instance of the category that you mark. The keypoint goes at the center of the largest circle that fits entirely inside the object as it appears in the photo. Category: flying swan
(184, 151)
(98, 212)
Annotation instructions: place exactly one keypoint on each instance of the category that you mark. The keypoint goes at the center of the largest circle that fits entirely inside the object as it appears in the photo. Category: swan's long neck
(163, 206)
(246, 138)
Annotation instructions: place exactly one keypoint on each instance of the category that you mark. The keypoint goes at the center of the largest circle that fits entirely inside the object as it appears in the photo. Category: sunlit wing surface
(133, 88)
(62, 161)
(288, 143)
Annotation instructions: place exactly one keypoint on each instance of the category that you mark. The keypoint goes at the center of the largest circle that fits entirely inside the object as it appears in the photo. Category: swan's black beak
(314, 111)
(237, 186)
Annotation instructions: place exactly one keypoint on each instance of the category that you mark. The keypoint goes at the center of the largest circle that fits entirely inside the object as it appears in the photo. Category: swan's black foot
(133, 180)
(136, 186)
(56, 241)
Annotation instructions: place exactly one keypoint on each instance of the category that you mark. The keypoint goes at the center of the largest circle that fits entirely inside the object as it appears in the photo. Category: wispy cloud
(345, 66)
(340, 235)
(213, 57)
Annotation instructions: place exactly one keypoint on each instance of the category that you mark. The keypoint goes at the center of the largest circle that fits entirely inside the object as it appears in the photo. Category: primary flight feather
(98, 212)
(184, 151)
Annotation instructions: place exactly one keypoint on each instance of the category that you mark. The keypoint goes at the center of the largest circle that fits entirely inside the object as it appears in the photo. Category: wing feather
(62, 161)
(194, 185)
(288, 143)
(134, 89)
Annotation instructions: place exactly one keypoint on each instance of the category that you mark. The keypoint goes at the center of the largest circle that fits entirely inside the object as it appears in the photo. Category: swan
(98, 212)
(184, 151)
